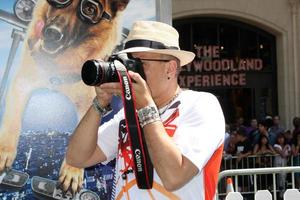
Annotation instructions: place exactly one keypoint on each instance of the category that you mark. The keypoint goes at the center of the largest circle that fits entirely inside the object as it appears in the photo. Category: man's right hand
(104, 97)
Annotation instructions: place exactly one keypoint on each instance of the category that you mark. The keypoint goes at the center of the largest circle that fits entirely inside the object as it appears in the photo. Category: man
(263, 127)
(243, 145)
(253, 132)
(276, 129)
(184, 135)
(243, 150)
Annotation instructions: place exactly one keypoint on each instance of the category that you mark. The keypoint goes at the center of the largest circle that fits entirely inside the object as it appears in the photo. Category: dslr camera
(97, 72)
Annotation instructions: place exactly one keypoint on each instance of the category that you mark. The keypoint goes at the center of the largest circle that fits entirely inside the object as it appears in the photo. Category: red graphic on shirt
(171, 128)
(125, 151)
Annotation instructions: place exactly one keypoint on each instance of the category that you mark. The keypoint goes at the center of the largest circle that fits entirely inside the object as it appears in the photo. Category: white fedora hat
(156, 37)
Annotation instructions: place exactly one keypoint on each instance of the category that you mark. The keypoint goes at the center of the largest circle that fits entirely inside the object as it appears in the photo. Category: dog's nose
(52, 34)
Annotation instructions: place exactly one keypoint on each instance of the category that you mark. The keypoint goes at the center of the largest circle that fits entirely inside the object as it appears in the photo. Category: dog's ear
(118, 5)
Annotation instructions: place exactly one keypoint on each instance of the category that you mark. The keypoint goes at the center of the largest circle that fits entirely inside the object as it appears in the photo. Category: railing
(255, 172)
(250, 182)
(290, 194)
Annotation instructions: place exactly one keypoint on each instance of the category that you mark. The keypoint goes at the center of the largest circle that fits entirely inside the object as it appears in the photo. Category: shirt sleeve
(201, 129)
(108, 136)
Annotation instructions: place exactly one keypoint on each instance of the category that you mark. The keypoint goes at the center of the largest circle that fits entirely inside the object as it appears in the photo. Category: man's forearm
(83, 141)
(172, 167)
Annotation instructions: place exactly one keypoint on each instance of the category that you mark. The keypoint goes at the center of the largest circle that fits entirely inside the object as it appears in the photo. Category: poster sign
(43, 44)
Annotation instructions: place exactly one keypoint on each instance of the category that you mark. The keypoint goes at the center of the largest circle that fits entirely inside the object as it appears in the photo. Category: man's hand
(104, 96)
(141, 89)
(139, 86)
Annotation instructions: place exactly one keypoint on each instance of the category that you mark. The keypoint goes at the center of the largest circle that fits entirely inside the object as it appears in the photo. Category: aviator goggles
(89, 11)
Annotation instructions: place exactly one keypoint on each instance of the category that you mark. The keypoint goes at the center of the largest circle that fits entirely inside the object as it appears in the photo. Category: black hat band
(148, 43)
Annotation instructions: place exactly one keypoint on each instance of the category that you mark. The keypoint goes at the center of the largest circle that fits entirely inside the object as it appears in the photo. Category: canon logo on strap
(137, 154)
(127, 89)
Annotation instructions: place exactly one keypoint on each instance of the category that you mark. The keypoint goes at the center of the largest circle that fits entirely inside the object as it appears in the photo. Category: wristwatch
(147, 111)
(148, 114)
(102, 111)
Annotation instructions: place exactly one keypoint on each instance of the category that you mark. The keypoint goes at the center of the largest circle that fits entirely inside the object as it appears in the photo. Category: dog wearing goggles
(62, 35)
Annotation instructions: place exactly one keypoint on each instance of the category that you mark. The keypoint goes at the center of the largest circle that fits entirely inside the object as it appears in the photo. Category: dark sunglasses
(89, 11)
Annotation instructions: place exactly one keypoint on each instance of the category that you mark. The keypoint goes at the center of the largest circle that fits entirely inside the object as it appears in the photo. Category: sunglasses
(89, 11)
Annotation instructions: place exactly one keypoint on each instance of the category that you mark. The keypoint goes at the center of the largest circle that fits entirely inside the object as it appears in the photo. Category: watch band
(102, 111)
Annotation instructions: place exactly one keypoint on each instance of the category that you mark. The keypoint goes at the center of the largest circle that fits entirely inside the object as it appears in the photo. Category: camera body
(97, 72)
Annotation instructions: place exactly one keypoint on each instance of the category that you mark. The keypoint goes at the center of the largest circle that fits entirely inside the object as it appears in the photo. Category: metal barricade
(255, 172)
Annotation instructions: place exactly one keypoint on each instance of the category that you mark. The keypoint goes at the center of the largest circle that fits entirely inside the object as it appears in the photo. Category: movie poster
(43, 44)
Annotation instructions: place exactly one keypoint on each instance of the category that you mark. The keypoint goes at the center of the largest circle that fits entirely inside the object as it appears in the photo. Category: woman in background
(284, 151)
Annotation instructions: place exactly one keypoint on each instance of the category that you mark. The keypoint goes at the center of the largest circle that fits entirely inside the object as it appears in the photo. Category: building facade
(247, 54)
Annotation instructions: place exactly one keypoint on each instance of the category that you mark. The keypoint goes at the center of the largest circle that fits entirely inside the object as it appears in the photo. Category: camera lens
(95, 72)
(92, 73)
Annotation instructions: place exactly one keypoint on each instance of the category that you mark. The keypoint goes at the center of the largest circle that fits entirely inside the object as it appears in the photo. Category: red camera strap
(143, 167)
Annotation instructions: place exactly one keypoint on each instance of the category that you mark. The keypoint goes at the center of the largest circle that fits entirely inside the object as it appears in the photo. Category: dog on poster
(62, 35)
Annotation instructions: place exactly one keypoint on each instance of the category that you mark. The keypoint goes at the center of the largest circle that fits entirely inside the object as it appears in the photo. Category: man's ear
(119, 5)
(172, 68)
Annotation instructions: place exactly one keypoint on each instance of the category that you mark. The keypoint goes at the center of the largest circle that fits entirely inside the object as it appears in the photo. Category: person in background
(231, 147)
(227, 137)
(253, 132)
(263, 150)
(239, 122)
(283, 151)
(263, 147)
(263, 130)
(288, 137)
(296, 124)
(253, 126)
(243, 144)
(296, 157)
(243, 150)
(276, 128)
(269, 121)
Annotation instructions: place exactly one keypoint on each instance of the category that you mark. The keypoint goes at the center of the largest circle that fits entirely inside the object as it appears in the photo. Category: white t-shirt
(196, 124)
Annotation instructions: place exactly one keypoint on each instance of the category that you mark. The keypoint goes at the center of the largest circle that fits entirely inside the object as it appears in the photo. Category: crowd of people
(267, 141)
(267, 136)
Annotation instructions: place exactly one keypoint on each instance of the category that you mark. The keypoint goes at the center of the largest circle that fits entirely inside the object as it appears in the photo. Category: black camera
(97, 72)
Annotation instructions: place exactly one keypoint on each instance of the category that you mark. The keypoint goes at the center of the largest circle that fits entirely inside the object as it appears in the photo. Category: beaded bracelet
(148, 115)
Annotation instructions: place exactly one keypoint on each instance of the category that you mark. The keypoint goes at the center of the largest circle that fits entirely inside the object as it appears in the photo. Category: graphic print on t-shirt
(124, 149)
(125, 157)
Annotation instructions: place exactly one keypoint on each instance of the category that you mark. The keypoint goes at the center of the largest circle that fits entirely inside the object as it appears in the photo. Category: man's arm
(174, 169)
(83, 150)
